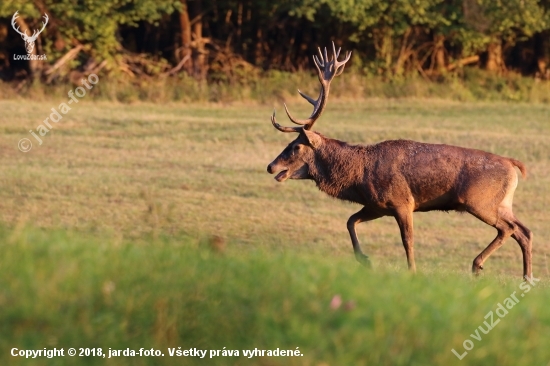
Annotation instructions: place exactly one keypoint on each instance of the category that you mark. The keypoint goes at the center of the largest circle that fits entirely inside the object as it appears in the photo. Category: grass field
(157, 226)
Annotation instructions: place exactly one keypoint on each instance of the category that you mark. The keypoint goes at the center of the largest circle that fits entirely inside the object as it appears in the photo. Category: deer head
(293, 162)
(29, 40)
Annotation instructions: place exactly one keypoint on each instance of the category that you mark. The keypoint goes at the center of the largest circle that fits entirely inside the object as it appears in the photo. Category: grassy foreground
(59, 290)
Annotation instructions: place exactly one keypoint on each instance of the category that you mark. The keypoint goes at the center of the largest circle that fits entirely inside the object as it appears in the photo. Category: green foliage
(93, 24)
(61, 289)
(512, 20)
(392, 39)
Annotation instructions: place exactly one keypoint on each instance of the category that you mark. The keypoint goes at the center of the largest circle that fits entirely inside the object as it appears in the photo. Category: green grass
(470, 85)
(106, 234)
(61, 290)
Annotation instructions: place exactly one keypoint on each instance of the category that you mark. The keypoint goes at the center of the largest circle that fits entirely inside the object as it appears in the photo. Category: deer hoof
(477, 268)
(364, 260)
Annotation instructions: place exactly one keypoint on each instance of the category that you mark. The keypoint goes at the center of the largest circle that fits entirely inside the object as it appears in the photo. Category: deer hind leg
(502, 235)
(404, 219)
(503, 219)
(524, 237)
(507, 225)
(358, 217)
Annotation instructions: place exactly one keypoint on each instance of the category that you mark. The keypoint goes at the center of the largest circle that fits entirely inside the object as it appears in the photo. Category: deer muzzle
(283, 172)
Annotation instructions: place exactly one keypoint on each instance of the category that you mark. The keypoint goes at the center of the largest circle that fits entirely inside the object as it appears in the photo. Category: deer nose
(270, 169)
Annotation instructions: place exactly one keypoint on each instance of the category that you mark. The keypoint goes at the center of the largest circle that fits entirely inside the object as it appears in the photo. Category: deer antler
(36, 32)
(283, 128)
(25, 35)
(326, 70)
(15, 27)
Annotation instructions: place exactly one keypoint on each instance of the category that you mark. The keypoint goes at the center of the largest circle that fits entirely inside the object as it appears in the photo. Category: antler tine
(283, 128)
(294, 120)
(318, 64)
(327, 69)
(341, 65)
(308, 98)
(37, 32)
(15, 26)
(336, 53)
(44, 23)
(323, 60)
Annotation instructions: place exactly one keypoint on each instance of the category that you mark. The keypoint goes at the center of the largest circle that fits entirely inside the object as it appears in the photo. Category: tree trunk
(258, 49)
(439, 53)
(495, 62)
(199, 53)
(404, 53)
(542, 54)
(384, 48)
(185, 25)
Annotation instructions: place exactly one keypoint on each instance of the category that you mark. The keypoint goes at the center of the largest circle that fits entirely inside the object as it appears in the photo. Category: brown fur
(396, 178)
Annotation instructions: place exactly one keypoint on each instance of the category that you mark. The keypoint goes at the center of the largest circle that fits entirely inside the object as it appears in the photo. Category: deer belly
(444, 202)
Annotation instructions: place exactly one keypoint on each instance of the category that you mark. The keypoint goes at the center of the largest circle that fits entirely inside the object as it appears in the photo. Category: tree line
(222, 40)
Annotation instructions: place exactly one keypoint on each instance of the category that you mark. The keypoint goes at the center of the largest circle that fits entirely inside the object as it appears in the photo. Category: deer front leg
(404, 218)
(358, 217)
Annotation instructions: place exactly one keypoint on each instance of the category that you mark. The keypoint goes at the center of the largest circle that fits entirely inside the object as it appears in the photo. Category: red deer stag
(397, 178)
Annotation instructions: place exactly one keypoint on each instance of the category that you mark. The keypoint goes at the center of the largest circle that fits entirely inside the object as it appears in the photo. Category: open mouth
(282, 176)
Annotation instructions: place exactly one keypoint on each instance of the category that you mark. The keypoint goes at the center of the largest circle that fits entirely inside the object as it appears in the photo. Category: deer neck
(338, 168)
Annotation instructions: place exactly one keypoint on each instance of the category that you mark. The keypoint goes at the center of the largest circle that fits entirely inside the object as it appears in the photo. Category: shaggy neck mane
(338, 166)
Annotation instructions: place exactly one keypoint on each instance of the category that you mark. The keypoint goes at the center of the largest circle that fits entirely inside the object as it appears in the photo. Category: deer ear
(313, 139)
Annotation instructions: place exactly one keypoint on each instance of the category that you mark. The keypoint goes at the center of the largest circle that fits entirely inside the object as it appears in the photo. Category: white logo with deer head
(29, 40)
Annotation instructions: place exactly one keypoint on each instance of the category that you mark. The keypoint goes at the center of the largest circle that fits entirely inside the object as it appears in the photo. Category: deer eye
(296, 148)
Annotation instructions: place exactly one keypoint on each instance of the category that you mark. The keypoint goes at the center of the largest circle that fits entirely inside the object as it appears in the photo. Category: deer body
(401, 172)
(398, 177)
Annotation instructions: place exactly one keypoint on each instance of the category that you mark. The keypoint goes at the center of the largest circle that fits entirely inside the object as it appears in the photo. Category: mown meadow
(157, 226)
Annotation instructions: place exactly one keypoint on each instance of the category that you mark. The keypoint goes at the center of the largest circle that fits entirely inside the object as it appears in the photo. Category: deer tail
(521, 167)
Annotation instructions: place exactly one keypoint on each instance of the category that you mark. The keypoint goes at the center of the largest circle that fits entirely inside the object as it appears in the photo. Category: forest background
(226, 50)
